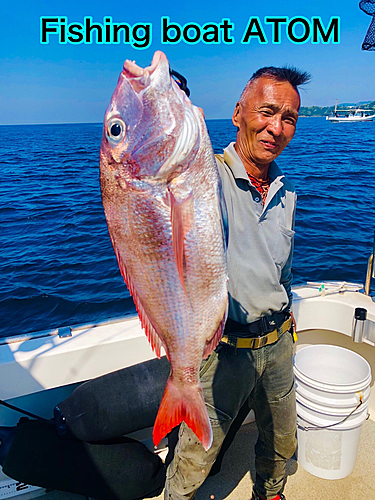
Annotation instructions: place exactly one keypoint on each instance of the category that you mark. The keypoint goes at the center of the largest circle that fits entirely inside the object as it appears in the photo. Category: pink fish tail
(179, 405)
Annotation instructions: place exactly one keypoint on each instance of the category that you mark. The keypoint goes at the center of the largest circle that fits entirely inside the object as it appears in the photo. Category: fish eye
(116, 129)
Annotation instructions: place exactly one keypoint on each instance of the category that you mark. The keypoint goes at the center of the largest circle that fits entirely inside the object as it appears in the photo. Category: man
(252, 366)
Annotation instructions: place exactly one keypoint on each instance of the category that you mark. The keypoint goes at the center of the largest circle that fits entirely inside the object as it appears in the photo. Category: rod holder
(360, 315)
(370, 269)
(369, 274)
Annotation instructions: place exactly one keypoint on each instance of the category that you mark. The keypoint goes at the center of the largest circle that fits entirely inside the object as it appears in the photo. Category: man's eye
(290, 120)
(266, 112)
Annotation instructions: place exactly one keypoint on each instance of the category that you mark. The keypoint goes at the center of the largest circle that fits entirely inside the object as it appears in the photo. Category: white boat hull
(349, 119)
(44, 369)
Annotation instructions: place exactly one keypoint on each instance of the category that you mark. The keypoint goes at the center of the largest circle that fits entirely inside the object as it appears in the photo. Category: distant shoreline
(321, 111)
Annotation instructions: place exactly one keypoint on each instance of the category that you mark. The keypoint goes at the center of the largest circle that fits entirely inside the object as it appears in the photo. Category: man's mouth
(269, 144)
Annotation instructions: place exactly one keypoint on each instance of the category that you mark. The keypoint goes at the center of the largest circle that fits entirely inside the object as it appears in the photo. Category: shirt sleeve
(286, 273)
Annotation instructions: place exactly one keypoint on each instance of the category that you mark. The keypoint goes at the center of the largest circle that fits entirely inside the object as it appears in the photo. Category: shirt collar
(234, 162)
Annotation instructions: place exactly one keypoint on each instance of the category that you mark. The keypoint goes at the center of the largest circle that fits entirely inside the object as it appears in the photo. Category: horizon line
(101, 123)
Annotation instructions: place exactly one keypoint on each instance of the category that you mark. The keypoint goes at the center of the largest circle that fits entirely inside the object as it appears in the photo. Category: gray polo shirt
(260, 242)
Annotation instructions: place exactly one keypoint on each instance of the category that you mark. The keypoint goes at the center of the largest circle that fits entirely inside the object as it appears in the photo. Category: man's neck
(259, 171)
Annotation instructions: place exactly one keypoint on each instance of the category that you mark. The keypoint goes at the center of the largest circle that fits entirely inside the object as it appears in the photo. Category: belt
(257, 328)
(258, 342)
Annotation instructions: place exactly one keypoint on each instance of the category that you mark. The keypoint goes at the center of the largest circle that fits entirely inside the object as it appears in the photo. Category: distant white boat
(351, 114)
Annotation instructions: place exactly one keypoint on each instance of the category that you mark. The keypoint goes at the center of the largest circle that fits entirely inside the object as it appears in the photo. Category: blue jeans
(262, 378)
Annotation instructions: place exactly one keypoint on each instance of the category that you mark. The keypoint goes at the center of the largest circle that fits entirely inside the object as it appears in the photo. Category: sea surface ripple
(57, 264)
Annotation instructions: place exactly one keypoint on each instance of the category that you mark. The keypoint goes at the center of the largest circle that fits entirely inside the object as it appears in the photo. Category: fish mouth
(139, 78)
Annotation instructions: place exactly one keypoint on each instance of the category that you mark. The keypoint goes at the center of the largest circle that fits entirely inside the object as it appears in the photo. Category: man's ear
(235, 117)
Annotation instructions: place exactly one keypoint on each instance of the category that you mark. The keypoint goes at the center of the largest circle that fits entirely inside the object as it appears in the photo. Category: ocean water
(57, 265)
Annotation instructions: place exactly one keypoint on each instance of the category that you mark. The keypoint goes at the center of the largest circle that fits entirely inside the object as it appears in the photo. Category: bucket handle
(318, 428)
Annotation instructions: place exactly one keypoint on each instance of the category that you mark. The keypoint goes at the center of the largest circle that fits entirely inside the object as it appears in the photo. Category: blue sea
(57, 265)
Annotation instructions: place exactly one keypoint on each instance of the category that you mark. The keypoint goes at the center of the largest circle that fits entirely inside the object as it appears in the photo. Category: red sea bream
(161, 196)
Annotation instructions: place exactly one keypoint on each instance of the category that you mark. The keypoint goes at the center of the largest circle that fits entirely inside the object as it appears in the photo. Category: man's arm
(286, 273)
(287, 276)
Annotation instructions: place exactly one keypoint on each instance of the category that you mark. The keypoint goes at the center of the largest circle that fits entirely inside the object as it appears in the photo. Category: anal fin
(211, 344)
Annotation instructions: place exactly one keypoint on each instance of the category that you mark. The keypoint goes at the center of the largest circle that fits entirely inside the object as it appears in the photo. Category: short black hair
(289, 74)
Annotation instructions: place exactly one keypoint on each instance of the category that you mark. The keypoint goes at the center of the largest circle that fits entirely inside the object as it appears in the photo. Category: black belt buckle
(267, 324)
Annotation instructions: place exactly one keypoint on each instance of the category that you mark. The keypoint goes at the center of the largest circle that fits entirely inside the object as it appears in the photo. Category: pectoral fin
(182, 219)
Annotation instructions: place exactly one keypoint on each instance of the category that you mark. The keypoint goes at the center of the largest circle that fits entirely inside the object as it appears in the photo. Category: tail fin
(178, 405)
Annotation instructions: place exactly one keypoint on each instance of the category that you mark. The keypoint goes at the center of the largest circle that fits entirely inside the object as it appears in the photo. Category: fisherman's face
(266, 120)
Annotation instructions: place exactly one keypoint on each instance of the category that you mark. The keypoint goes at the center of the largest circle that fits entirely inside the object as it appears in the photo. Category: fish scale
(161, 197)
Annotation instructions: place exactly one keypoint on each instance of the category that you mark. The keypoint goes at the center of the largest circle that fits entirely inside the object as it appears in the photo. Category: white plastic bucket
(332, 392)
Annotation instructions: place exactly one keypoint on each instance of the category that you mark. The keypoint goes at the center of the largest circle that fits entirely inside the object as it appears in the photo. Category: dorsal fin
(151, 334)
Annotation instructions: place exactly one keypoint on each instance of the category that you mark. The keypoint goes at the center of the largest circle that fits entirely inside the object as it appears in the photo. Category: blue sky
(65, 83)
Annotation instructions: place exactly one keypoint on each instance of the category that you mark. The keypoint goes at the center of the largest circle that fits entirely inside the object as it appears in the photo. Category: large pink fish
(161, 196)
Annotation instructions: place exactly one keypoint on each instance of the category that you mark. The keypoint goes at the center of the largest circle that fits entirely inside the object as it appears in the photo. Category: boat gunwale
(22, 337)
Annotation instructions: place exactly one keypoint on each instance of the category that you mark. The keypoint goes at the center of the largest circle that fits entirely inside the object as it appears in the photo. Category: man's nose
(275, 126)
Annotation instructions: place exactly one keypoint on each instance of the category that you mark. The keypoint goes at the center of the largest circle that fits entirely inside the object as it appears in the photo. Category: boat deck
(234, 482)
(322, 318)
